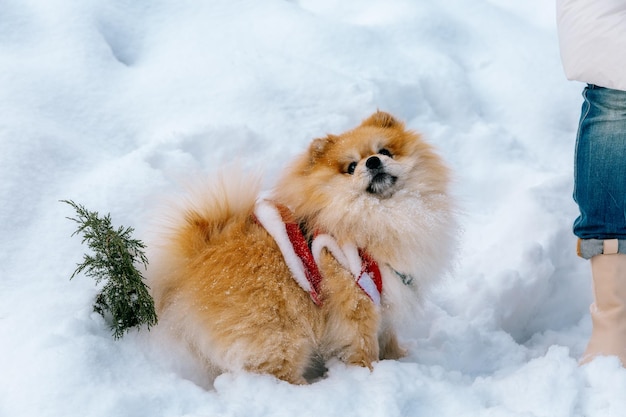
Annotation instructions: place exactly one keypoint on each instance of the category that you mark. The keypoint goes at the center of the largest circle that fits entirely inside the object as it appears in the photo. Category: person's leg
(600, 192)
(608, 312)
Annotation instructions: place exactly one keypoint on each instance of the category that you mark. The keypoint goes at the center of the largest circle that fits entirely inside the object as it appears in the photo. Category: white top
(592, 37)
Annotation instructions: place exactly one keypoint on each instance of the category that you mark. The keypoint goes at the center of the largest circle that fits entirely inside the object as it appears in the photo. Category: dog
(324, 267)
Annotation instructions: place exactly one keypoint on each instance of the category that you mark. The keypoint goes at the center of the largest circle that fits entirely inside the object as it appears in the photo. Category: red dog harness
(302, 261)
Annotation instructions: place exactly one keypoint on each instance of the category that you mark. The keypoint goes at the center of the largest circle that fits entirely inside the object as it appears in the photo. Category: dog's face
(372, 161)
(362, 177)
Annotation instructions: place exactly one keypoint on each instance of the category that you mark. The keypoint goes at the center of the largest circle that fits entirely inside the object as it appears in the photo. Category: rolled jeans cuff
(588, 248)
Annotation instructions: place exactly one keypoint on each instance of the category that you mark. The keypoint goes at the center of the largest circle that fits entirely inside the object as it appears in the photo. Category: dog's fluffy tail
(206, 206)
(210, 205)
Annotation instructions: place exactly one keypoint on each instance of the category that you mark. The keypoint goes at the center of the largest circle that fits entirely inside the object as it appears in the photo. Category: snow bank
(111, 103)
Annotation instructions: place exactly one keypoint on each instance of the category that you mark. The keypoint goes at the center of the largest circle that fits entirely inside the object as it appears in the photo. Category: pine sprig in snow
(124, 294)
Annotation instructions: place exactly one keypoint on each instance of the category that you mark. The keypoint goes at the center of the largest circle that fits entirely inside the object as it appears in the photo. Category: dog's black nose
(373, 162)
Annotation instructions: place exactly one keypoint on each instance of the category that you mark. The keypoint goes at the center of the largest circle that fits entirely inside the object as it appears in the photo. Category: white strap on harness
(269, 217)
(348, 256)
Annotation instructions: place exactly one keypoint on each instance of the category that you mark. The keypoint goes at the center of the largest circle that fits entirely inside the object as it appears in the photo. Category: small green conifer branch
(115, 253)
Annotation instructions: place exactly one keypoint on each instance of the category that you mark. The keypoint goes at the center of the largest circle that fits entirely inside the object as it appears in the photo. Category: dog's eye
(386, 152)
(350, 169)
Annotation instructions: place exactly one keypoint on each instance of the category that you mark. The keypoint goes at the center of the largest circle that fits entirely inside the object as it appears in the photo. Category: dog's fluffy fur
(221, 284)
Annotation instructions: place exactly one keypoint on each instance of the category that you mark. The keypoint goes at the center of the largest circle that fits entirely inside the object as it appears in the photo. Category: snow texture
(113, 103)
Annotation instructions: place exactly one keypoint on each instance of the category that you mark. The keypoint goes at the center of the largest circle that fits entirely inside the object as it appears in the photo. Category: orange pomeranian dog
(325, 267)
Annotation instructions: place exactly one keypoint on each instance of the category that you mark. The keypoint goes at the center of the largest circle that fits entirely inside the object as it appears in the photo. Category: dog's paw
(362, 357)
(393, 353)
(389, 346)
(362, 361)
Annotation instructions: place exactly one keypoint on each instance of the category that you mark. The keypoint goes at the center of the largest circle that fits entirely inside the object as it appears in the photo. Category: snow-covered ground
(111, 103)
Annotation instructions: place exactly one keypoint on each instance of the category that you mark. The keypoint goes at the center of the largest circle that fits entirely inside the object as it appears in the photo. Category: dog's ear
(319, 147)
(382, 119)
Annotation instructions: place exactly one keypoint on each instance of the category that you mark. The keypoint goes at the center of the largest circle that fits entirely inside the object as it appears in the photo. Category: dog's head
(356, 184)
(374, 161)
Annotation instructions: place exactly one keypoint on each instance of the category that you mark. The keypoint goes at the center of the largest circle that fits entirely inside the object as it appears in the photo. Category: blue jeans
(600, 165)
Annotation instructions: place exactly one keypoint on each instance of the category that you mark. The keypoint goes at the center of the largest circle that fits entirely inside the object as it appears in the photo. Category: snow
(112, 103)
